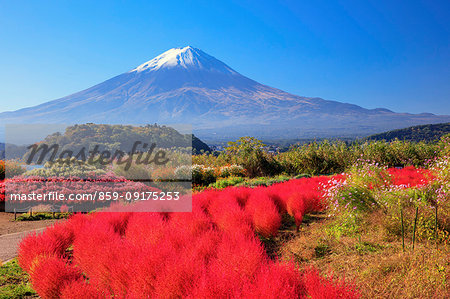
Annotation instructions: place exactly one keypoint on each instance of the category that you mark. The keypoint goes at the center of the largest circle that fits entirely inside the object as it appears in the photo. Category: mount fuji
(188, 86)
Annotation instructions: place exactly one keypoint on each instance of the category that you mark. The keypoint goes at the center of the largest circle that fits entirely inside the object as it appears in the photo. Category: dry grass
(374, 261)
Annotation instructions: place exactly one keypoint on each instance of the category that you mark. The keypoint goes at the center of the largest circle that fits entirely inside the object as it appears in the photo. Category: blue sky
(393, 54)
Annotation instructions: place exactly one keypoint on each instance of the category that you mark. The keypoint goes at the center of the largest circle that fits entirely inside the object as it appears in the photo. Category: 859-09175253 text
(96, 196)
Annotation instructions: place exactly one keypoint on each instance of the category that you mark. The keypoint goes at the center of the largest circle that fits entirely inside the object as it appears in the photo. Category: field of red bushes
(213, 251)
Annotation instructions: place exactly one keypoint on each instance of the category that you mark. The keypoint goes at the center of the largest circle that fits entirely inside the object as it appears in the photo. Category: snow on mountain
(187, 57)
(186, 85)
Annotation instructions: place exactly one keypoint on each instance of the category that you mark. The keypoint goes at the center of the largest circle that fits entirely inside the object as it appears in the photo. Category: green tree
(250, 153)
(244, 145)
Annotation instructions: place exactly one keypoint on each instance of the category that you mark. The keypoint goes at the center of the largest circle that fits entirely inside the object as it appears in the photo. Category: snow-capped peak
(187, 57)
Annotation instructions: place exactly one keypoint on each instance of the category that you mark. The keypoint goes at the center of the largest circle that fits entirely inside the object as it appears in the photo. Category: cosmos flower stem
(403, 230)
(436, 224)
(414, 228)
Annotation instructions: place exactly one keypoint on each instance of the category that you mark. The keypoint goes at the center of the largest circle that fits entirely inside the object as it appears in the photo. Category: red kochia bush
(227, 214)
(211, 252)
(264, 213)
(298, 197)
(117, 220)
(410, 176)
(276, 194)
(51, 275)
(80, 289)
(56, 240)
(194, 223)
(276, 280)
(181, 268)
(237, 260)
(96, 250)
(146, 228)
(295, 206)
(241, 194)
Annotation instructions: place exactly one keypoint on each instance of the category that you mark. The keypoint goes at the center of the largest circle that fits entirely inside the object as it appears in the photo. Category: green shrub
(327, 157)
(317, 158)
(209, 176)
(134, 172)
(203, 176)
(197, 175)
(231, 170)
(223, 183)
(356, 197)
(2, 170)
(264, 181)
(324, 157)
(64, 169)
(347, 222)
(11, 169)
(42, 216)
(250, 154)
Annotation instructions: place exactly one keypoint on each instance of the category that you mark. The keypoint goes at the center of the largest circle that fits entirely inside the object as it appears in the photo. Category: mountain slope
(186, 85)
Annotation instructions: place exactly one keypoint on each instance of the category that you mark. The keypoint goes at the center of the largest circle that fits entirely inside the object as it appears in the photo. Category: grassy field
(14, 282)
(373, 260)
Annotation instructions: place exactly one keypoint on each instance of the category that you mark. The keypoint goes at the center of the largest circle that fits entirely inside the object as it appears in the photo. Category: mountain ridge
(427, 133)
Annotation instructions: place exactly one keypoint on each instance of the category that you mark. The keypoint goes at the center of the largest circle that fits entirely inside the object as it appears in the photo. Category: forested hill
(416, 133)
(123, 137)
(198, 145)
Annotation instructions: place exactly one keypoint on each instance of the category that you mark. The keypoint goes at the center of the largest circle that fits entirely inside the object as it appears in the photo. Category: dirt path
(9, 244)
(9, 226)
(11, 233)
